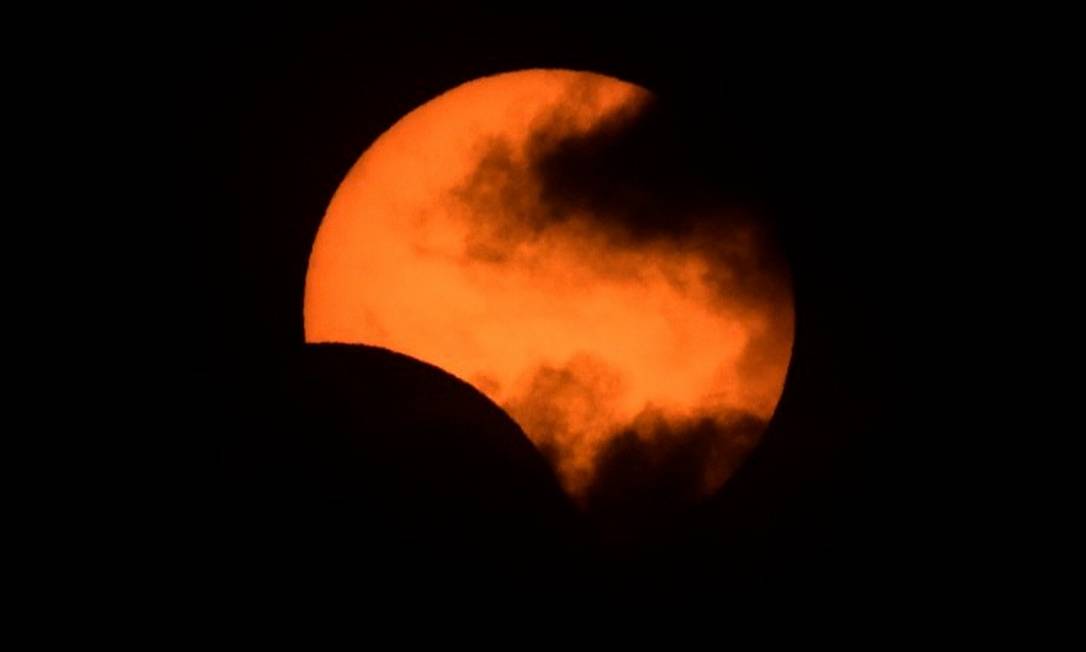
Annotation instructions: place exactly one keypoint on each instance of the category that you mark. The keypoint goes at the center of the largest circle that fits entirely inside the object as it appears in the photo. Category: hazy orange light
(580, 335)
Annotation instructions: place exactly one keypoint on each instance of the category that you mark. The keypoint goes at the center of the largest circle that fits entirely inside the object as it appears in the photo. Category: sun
(508, 232)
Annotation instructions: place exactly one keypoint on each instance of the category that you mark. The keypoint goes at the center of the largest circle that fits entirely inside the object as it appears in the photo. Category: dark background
(337, 465)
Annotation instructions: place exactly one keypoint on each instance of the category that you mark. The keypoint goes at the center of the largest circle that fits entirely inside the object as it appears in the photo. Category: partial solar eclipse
(536, 234)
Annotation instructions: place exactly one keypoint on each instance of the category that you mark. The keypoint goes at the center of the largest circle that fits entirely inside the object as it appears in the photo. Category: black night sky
(350, 462)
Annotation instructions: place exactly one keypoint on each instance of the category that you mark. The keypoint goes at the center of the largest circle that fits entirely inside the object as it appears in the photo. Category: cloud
(630, 199)
(659, 467)
(637, 178)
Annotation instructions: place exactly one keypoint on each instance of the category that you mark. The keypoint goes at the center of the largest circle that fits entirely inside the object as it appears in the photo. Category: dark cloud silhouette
(648, 472)
(641, 175)
(643, 483)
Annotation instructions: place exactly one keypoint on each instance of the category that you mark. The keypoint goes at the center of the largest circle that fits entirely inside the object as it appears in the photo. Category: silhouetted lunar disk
(539, 235)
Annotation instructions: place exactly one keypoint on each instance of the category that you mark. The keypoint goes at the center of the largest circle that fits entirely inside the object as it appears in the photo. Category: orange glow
(578, 332)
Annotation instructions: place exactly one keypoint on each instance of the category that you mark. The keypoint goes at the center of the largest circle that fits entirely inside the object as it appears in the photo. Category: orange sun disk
(578, 336)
